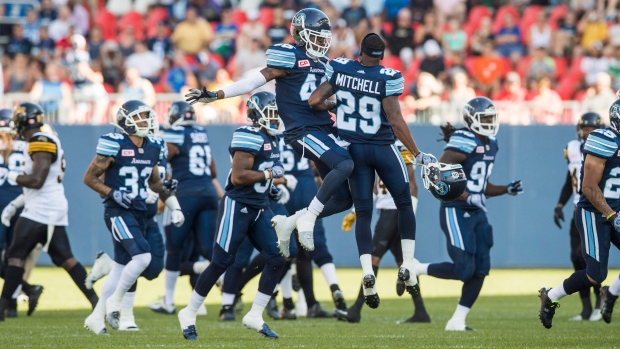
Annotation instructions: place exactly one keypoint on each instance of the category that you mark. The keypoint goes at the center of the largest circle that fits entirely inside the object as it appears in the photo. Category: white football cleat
(575, 318)
(162, 308)
(112, 313)
(284, 227)
(456, 325)
(96, 325)
(101, 268)
(596, 315)
(127, 321)
(305, 230)
(202, 310)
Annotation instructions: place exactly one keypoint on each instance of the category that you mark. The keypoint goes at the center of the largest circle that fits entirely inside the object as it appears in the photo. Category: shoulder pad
(281, 56)
(601, 143)
(247, 137)
(109, 145)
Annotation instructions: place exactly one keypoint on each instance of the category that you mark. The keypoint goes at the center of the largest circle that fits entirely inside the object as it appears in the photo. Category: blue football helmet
(475, 110)
(614, 116)
(311, 29)
(589, 119)
(6, 115)
(136, 118)
(446, 182)
(262, 110)
(180, 113)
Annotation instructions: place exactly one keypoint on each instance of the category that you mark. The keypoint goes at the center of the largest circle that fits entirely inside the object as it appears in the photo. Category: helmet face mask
(315, 36)
(262, 110)
(135, 118)
(614, 116)
(480, 116)
(445, 181)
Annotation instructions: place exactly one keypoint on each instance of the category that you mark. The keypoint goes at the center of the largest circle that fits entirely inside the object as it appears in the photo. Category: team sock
(78, 274)
(170, 281)
(329, 273)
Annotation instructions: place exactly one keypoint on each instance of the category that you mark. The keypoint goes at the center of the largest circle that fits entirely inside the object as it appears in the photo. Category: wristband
(267, 174)
(173, 203)
(12, 176)
(610, 215)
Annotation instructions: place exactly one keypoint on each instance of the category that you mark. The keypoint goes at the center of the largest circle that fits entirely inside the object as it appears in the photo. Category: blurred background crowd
(544, 61)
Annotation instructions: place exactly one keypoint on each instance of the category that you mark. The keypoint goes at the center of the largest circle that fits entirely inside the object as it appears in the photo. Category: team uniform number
(288, 161)
(132, 178)
(479, 176)
(13, 163)
(368, 108)
(260, 187)
(200, 160)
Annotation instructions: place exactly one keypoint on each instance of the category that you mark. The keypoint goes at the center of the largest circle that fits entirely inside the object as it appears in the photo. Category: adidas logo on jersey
(361, 72)
(244, 210)
(466, 215)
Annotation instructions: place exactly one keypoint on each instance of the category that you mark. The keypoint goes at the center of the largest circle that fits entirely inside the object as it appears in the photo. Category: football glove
(177, 218)
(151, 196)
(203, 96)
(275, 193)
(558, 215)
(286, 195)
(478, 200)
(348, 221)
(514, 188)
(170, 186)
(615, 220)
(425, 159)
(8, 213)
(122, 198)
(277, 170)
(291, 182)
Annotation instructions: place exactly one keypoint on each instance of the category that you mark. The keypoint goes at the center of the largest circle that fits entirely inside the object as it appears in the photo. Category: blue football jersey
(294, 164)
(151, 209)
(478, 165)
(266, 153)
(132, 166)
(9, 190)
(294, 90)
(359, 90)
(192, 165)
(604, 143)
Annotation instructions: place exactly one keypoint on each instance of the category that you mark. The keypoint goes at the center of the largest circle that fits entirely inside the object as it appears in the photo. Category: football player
(244, 211)
(368, 116)
(297, 70)
(45, 214)
(192, 165)
(597, 220)
(128, 160)
(588, 122)
(464, 221)
(387, 238)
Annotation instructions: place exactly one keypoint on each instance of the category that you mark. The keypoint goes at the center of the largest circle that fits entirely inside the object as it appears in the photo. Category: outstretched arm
(318, 98)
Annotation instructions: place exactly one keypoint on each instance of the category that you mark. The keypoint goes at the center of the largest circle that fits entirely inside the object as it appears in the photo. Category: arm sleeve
(244, 86)
(567, 190)
(395, 85)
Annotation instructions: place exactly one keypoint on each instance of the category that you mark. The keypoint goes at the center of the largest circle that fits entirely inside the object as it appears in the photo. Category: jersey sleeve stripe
(278, 63)
(248, 137)
(605, 143)
(42, 146)
(240, 144)
(598, 151)
(462, 140)
(107, 148)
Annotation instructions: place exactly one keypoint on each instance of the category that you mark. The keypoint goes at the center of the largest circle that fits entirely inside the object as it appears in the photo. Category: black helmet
(262, 110)
(311, 28)
(125, 118)
(446, 182)
(6, 115)
(26, 116)
(477, 108)
(180, 113)
(589, 119)
(614, 116)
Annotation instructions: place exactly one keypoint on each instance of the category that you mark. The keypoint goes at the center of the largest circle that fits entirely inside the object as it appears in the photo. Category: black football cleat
(4, 306)
(404, 275)
(608, 301)
(272, 309)
(416, 318)
(350, 315)
(400, 287)
(238, 304)
(371, 297)
(33, 298)
(339, 301)
(227, 313)
(547, 308)
(268, 333)
(190, 333)
(316, 312)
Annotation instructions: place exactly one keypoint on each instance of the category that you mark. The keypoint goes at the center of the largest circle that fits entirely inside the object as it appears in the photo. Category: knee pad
(597, 272)
(464, 271)
(346, 166)
(142, 259)
(221, 258)
(173, 261)
(154, 269)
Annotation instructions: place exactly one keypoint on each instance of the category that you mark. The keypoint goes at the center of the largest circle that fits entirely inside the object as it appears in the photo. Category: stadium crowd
(537, 53)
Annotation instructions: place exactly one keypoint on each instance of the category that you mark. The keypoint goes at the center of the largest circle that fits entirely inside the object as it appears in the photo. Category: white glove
(285, 193)
(8, 213)
(151, 197)
(177, 218)
(291, 182)
(478, 200)
(425, 159)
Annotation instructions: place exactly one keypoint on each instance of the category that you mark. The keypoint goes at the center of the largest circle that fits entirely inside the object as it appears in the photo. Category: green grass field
(505, 316)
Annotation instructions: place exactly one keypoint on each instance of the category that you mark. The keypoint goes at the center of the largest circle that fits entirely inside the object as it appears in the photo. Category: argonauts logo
(299, 19)
(441, 188)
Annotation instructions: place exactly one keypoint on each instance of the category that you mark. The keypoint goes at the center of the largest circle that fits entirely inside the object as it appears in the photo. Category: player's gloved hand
(425, 159)
(177, 218)
(203, 96)
(170, 186)
(348, 221)
(277, 170)
(122, 198)
(558, 215)
(291, 182)
(515, 188)
(478, 200)
(151, 196)
(615, 220)
(8, 213)
(275, 193)
(286, 195)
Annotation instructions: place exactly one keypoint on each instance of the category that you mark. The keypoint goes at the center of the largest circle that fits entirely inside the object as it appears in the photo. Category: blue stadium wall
(524, 232)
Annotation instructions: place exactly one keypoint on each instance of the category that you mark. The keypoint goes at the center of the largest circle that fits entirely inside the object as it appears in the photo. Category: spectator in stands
(594, 63)
(393, 8)
(119, 7)
(418, 9)
(429, 30)
(512, 91)
(433, 62)
(95, 41)
(191, 35)
(424, 98)
(541, 65)
(53, 94)
(540, 32)
(127, 41)
(343, 40)
(599, 97)
(248, 58)
(178, 73)
(614, 69)
(18, 42)
(32, 25)
(79, 17)
(224, 38)
(178, 10)
(251, 30)
(16, 75)
(460, 93)
(5, 28)
(454, 39)
(59, 28)
(226, 110)
(546, 104)
(278, 32)
(46, 47)
(592, 28)
(354, 13)
(481, 36)
(111, 60)
(146, 62)
(136, 87)
(87, 84)
(510, 101)
(402, 34)
(48, 12)
(614, 32)
(206, 68)
(566, 37)
(487, 70)
(161, 44)
(508, 39)
(450, 8)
